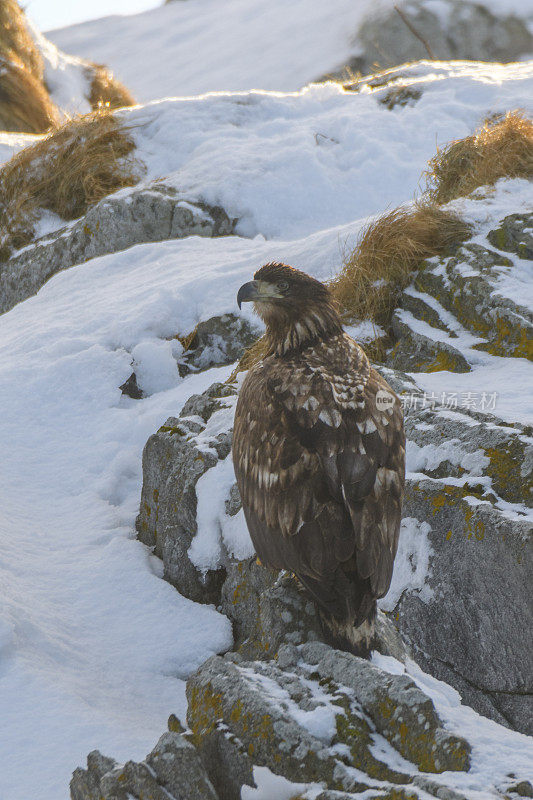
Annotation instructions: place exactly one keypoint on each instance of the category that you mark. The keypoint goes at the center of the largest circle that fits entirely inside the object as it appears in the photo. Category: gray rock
(515, 235)
(129, 217)
(266, 712)
(494, 459)
(218, 341)
(480, 568)
(85, 784)
(270, 612)
(179, 769)
(521, 788)
(457, 31)
(416, 352)
(396, 705)
(172, 770)
(174, 459)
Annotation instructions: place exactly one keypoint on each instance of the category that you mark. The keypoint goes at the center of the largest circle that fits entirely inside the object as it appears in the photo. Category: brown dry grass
(25, 105)
(106, 91)
(502, 148)
(15, 39)
(386, 255)
(73, 168)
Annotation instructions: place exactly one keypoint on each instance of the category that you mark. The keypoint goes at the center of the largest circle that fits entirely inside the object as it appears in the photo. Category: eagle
(319, 456)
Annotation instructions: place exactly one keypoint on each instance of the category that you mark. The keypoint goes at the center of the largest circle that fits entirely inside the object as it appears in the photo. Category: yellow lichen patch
(475, 528)
(508, 341)
(204, 711)
(444, 361)
(504, 468)
(355, 732)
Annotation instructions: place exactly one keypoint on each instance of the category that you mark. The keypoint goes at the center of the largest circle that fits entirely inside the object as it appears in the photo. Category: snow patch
(412, 564)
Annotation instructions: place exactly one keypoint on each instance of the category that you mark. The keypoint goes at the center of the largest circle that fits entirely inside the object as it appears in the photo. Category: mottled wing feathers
(320, 469)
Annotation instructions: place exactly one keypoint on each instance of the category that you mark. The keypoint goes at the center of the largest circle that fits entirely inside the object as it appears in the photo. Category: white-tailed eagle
(319, 455)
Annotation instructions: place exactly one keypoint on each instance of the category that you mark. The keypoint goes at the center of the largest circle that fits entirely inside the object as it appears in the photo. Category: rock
(456, 305)
(416, 352)
(480, 567)
(179, 768)
(172, 769)
(466, 286)
(126, 218)
(269, 610)
(213, 343)
(218, 341)
(522, 789)
(514, 235)
(131, 388)
(174, 458)
(396, 706)
(85, 784)
(312, 720)
(494, 459)
(453, 31)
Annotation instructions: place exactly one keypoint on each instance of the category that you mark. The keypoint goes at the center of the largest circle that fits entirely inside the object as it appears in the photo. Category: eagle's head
(294, 306)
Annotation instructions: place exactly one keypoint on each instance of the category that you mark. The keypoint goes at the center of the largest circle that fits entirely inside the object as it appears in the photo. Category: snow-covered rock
(315, 716)
(174, 459)
(129, 217)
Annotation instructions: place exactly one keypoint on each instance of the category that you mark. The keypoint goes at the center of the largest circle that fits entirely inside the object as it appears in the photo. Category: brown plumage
(319, 466)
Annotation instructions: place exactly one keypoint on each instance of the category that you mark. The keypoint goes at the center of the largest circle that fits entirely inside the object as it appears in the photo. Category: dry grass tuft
(106, 91)
(386, 255)
(73, 168)
(25, 105)
(15, 39)
(502, 148)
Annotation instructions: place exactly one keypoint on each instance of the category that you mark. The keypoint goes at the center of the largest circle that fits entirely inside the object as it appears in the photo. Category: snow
(319, 721)
(190, 48)
(155, 365)
(257, 154)
(218, 534)
(411, 565)
(11, 143)
(269, 785)
(94, 643)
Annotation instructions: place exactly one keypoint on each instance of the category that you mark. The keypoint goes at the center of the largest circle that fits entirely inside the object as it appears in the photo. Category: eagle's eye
(283, 286)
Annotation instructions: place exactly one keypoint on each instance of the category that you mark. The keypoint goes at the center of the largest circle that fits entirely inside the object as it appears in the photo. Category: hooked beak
(248, 292)
(255, 291)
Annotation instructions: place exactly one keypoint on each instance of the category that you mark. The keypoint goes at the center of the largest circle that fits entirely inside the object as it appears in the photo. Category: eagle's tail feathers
(342, 634)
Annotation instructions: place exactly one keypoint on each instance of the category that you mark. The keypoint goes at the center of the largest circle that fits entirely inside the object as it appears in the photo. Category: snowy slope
(94, 646)
(186, 48)
(289, 164)
(194, 47)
